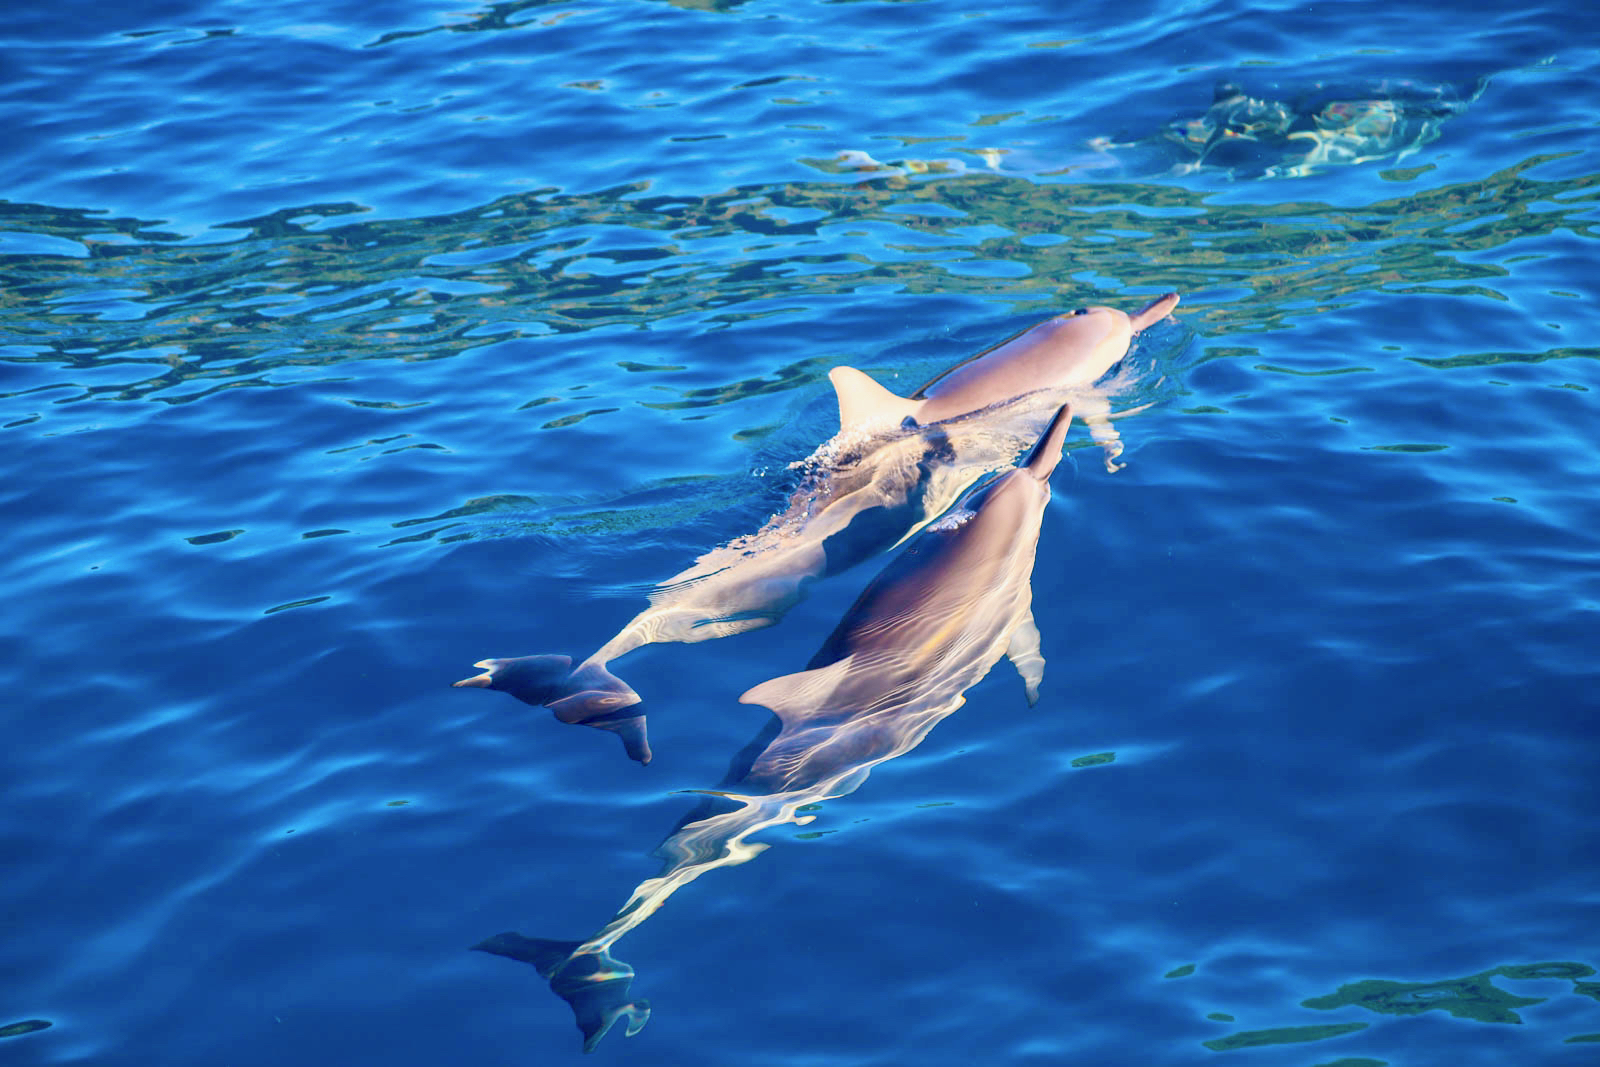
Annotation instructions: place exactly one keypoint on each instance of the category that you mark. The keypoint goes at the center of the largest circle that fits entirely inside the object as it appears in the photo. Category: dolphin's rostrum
(896, 464)
(929, 627)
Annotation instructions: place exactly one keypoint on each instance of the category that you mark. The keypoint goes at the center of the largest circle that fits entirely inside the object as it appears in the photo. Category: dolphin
(1262, 137)
(896, 464)
(927, 629)
(1239, 135)
(1065, 355)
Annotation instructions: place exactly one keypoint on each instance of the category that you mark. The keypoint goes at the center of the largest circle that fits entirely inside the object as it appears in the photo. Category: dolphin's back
(922, 632)
(1066, 352)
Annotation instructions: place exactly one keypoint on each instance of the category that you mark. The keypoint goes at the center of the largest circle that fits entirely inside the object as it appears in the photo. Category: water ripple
(340, 347)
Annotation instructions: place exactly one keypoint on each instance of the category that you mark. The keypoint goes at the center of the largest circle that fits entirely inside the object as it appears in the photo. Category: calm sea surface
(343, 345)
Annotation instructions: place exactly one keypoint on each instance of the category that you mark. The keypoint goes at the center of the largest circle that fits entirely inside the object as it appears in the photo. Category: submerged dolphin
(922, 633)
(1318, 126)
(896, 463)
(1286, 131)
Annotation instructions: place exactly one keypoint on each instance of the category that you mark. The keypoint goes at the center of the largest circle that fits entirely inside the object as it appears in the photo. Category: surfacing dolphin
(922, 633)
(895, 464)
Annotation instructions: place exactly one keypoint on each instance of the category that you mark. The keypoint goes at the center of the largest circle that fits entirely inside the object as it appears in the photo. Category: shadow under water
(928, 628)
(1473, 997)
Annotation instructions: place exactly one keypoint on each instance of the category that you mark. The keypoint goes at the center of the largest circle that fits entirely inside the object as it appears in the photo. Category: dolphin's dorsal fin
(1047, 453)
(863, 402)
(795, 697)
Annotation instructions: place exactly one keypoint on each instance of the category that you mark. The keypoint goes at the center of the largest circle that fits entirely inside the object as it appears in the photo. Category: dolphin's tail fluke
(590, 695)
(596, 985)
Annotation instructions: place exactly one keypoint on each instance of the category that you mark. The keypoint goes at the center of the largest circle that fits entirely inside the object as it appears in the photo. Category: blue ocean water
(344, 345)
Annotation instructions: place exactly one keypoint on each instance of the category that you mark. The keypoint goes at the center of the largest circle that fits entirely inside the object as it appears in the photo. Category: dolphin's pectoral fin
(1025, 656)
(596, 986)
(1106, 436)
(1094, 408)
(590, 695)
(733, 625)
(863, 402)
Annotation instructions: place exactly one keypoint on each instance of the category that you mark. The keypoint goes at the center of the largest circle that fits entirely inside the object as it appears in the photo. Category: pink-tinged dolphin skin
(896, 464)
(922, 633)
(862, 496)
(1061, 358)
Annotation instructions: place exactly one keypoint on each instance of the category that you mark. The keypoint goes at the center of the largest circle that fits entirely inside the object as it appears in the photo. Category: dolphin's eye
(1081, 311)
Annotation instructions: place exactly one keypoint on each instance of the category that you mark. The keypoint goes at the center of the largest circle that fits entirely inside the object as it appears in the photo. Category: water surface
(342, 346)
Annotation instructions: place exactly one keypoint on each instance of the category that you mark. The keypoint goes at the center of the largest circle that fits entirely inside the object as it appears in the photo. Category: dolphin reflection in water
(896, 464)
(922, 633)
